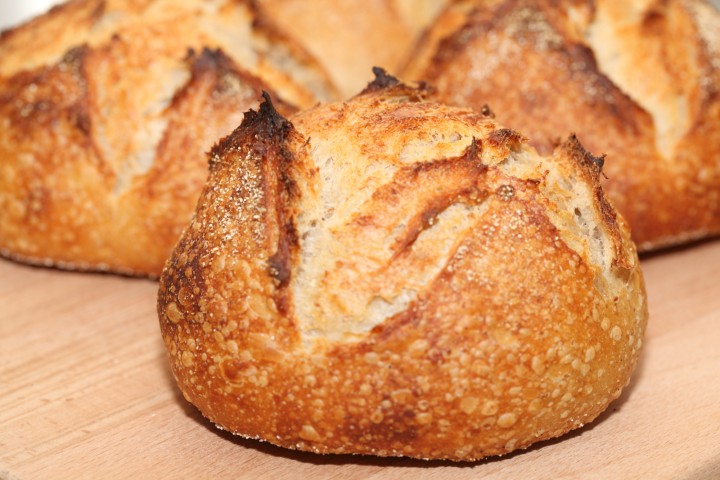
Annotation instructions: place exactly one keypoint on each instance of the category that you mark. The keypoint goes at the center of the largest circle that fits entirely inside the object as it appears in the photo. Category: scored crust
(396, 277)
(107, 109)
(636, 80)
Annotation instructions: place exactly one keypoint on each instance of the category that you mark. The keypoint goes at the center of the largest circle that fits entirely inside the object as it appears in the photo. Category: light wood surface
(85, 392)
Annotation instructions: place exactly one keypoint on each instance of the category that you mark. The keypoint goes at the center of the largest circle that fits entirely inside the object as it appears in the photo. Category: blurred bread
(395, 277)
(106, 111)
(349, 37)
(638, 81)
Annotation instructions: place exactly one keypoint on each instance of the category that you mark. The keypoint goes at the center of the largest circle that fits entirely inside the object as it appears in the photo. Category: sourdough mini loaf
(637, 80)
(395, 277)
(107, 108)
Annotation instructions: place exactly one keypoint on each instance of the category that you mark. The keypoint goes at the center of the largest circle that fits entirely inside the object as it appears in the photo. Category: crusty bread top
(392, 276)
(235, 26)
(107, 114)
(635, 80)
(403, 224)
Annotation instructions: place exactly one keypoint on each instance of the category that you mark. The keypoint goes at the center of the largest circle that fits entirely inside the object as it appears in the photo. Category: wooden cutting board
(85, 392)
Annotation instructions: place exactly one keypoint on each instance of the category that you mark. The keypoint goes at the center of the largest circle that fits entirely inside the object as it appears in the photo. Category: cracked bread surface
(637, 81)
(395, 277)
(105, 119)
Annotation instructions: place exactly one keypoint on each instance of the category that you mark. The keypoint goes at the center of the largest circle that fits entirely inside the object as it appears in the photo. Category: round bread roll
(637, 80)
(395, 277)
(107, 108)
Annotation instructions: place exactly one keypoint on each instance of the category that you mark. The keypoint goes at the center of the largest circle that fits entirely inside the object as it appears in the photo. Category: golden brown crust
(391, 276)
(553, 68)
(103, 147)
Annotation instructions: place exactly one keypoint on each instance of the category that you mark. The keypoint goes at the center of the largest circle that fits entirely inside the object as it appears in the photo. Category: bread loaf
(395, 277)
(637, 81)
(107, 109)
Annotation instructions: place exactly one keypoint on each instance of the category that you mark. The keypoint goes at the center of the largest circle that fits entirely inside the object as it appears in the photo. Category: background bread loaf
(107, 109)
(391, 276)
(635, 80)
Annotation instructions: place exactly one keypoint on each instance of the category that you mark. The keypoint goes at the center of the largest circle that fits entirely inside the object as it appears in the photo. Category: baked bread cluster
(386, 275)
(636, 80)
(107, 107)
(396, 277)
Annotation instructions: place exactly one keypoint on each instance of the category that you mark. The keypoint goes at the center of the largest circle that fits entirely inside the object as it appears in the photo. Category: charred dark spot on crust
(505, 138)
(210, 60)
(409, 93)
(191, 55)
(582, 156)
(277, 124)
(281, 195)
(425, 87)
(257, 130)
(279, 264)
(382, 81)
(473, 151)
(598, 161)
(486, 111)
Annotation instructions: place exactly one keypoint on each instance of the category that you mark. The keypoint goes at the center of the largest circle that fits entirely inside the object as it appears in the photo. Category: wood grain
(85, 392)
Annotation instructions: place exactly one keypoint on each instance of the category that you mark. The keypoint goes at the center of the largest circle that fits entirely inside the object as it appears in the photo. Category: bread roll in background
(106, 111)
(395, 277)
(349, 37)
(636, 80)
